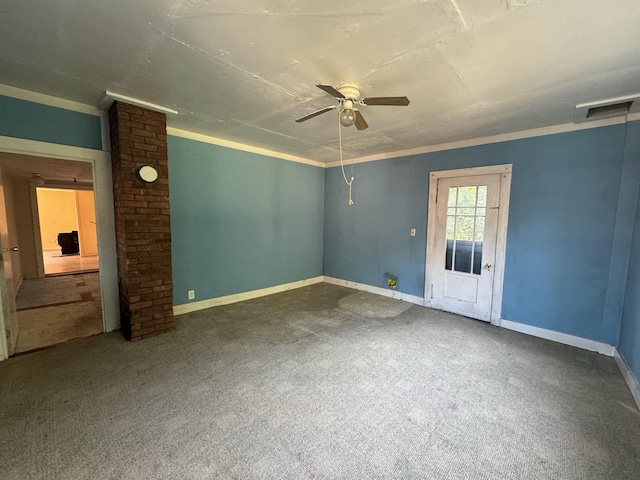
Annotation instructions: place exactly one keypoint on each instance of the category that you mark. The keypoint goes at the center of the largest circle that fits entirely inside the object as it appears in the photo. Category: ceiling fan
(348, 96)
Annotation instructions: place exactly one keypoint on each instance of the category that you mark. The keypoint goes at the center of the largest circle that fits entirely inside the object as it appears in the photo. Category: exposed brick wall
(143, 229)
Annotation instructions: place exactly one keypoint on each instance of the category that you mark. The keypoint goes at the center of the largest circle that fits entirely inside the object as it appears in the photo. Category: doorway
(67, 223)
(42, 198)
(466, 241)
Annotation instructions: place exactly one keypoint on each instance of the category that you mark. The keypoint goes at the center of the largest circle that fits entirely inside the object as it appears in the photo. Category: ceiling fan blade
(360, 123)
(391, 101)
(315, 114)
(330, 90)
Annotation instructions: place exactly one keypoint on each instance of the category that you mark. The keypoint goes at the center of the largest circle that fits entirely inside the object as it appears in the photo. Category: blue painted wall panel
(629, 343)
(241, 221)
(34, 121)
(562, 214)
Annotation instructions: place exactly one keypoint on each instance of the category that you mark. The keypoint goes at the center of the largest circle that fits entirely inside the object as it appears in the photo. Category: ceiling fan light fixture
(347, 117)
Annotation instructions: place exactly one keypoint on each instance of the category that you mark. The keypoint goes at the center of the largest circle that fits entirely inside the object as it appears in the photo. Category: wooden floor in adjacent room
(57, 309)
(55, 263)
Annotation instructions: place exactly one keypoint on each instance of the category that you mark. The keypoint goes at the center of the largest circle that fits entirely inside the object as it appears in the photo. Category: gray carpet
(296, 386)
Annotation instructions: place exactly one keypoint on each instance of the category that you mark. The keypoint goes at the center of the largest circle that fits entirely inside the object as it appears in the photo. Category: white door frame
(105, 218)
(501, 236)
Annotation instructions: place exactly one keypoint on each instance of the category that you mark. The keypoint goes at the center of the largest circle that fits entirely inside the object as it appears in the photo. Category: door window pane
(465, 228)
(466, 211)
(453, 195)
(482, 196)
(467, 196)
(451, 227)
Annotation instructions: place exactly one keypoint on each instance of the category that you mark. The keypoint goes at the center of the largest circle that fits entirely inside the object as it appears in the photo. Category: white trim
(92, 110)
(501, 234)
(629, 377)
(50, 150)
(43, 99)
(105, 131)
(501, 246)
(241, 297)
(105, 219)
(241, 146)
(385, 292)
(559, 337)
(503, 137)
(110, 97)
(37, 233)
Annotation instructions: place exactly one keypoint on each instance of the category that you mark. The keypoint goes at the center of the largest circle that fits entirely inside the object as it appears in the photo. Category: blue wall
(629, 343)
(241, 221)
(34, 121)
(561, 224)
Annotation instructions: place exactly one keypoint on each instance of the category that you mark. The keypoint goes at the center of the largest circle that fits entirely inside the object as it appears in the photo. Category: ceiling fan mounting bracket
(350, 91)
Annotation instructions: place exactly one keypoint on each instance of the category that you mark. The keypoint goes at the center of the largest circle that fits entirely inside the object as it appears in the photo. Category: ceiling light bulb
(347, 117)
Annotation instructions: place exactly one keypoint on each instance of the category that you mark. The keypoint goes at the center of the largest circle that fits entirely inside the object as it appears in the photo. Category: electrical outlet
(413, 232)
(191, 294)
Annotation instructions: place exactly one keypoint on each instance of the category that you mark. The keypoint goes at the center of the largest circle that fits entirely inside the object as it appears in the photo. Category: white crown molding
(559, 337)
(241, 297)
(473, 142)
(240, 146)
(629, 377)
(30, 96)
(43, 99)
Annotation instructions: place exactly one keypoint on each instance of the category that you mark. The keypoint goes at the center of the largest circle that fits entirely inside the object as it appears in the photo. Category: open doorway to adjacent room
(67, 230)
(51, 267)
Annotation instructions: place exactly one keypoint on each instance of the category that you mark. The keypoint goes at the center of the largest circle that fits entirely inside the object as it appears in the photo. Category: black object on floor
(69, 243)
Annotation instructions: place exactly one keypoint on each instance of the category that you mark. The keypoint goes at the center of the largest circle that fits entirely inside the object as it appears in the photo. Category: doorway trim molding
(105, 220)
(501, 238)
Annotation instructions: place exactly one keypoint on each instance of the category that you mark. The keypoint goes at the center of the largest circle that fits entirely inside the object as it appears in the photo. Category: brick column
(143, 229)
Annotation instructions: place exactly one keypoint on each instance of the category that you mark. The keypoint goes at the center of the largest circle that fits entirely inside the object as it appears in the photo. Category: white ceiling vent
(612, 107)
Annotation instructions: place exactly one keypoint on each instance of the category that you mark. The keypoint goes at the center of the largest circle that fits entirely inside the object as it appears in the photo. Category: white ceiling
(244, 70)
(52, 171)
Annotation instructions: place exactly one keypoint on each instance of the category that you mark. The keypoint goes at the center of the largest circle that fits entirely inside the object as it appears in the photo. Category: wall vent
(612, 107)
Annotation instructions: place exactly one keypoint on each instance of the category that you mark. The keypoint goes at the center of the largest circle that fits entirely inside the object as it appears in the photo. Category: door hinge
(432, 291)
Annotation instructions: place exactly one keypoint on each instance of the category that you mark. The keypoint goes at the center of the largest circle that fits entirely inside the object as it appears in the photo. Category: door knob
(12, 249)
(488, 266)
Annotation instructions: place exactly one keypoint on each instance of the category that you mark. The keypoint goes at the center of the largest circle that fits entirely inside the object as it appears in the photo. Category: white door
(8, 314)
(462, 262)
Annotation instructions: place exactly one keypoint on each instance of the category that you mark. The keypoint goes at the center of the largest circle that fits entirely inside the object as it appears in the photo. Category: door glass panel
(451, 227)
(453, 195)
(465, 228)
(466, 211)
(467, 196)
(482, 196)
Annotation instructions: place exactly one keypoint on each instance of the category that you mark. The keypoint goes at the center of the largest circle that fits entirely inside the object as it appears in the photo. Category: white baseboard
(240, 297)
(385, 292)
(629, 377)
(559, 337)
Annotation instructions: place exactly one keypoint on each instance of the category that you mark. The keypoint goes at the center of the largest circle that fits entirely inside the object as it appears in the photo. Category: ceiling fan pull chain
(348, 182)
(350, 201)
